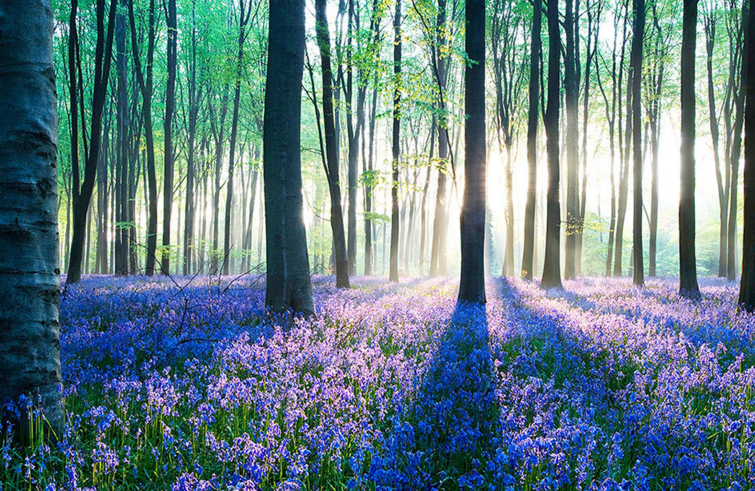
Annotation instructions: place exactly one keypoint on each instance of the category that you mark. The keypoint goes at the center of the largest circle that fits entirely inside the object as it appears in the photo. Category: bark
(528, 263)
(330, 159)
(393, 274)
(687, 267)
(146, 86)
(82, 198)
(747, 287)
(636, 61)
(122, 229)
(571, 90)
(472, 284)
(723, 201)
(551, 266)
(29, 274)
(731, 262)
(288, 284)
(353, 136)
(438, 259)
(170, 103)
(245, 12)
(194, 97)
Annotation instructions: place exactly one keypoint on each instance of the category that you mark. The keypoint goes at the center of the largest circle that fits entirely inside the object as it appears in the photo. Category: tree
(82, 195)
(472, 286)
(532, 120)
(170, 104)
(146, 87)
(288, 284)
(393, 273)
(571, 90)
(29, 274)
(636, 61)
(747, 287)
(330, 157)
(687, 268)
(552, 265)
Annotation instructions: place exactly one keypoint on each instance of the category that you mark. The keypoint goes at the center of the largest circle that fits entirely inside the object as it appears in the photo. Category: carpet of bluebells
(192, 386)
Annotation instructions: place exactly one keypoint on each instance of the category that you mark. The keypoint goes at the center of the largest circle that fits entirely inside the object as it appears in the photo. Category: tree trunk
(145, 85)
(82, 197)
(636, 61)
(528, 263)
(571, 90)
(731, 262)
(687, 268)
(288, 284)
(552, 267)
(393, 274)
(747, 287)
(190, 165)
(122, 227)
(330, 159)
(170, 103)
(472, 285)
(29, 274)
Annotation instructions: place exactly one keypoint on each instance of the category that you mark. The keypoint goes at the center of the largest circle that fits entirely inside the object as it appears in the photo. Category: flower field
(603, 386)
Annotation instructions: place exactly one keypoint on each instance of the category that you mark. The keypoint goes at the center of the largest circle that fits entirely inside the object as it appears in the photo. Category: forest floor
(603, 386)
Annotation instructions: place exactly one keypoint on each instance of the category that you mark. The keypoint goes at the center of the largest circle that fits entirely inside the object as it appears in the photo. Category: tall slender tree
(393, 273)
(288, 284)
(687, 267)
(29, 274)
(83, 195)
(637, 120)
(552, 265)
(330, 158)
(528, 265)
(170, 108)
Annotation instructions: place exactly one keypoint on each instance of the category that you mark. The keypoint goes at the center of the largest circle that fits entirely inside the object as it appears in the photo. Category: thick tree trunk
(472, 284)
(353, 136)
(747, 287)
(288, 283)
(29, 274)
(552, 267)
(636, 61)
(687, 267)
(528, 263)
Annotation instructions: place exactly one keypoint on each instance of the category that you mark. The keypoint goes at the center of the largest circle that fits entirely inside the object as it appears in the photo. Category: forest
(377, 244)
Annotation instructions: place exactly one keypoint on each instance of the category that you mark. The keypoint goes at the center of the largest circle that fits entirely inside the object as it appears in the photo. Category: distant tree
(552, 265)
(687, 267)
(472, 286)
(331, 147)
(637, 120)
(747, 288)
(532, 121)
(288, 283)
(82, 194)
(393, 273)
(170, 109)
(29, 274)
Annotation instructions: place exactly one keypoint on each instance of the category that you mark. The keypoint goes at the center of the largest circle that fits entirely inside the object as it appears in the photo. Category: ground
(190, 385)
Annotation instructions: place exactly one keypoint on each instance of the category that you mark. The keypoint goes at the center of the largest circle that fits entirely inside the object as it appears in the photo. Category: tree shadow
(445, 432)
